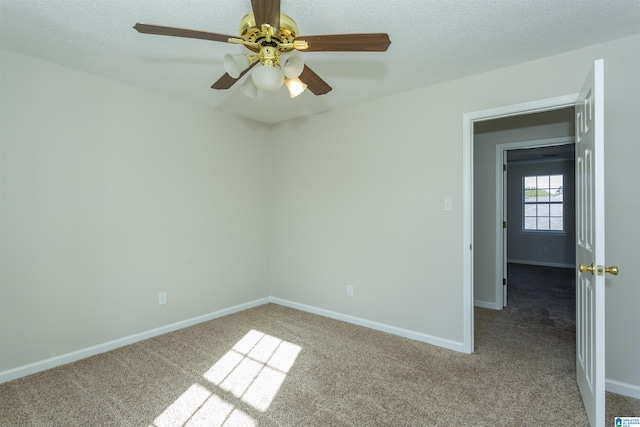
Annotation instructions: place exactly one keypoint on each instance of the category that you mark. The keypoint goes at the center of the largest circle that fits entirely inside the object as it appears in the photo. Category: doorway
(535, 253)
(471, 265)
(538, 209)
(507, 150)
(590, 321)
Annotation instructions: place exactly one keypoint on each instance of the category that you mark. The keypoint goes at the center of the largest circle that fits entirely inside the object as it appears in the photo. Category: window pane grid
(543, 202)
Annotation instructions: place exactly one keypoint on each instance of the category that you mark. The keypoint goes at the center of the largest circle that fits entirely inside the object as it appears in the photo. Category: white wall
(355, 197)
(358, 193)
(110, 195)
(358, 199)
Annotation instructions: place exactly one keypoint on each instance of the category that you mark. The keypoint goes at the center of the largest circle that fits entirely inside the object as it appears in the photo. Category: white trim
(486, 304)
(624, 389)
(543, 161)
(501, 190)
(467, 235)
(468, 120)
(538, 106)
(538, 143)
(417, 336)
(32, 368)
(541, 263)
(501, 231)
(613, 386)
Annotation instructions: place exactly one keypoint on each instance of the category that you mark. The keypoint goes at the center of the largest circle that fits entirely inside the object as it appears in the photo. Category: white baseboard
(486, 304)
(417, 336)
(541, 263)
(32, 368)
(624, 389)
(613, 386)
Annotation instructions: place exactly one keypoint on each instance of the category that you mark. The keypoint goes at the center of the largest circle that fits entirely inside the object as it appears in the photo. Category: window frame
(537, 203)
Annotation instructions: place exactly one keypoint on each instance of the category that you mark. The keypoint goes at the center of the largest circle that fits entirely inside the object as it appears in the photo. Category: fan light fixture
(236, 64)
(267, 78)
(271, 36)
(248, 88)
(291, 65)
(269, 75)
(295, 86)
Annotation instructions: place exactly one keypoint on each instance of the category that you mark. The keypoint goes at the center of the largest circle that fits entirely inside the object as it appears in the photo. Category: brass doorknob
(584, 268)
(612, 270)
(590, 268)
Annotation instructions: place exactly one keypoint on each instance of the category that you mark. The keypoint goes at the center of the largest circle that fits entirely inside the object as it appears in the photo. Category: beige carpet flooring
(275, 366)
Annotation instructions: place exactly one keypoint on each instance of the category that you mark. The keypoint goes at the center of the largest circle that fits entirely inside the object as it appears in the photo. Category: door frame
(501, 207)
(468, 120)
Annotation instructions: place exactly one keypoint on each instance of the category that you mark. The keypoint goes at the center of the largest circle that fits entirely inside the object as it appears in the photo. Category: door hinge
(504, 224)
(504, 168)
(504, 282)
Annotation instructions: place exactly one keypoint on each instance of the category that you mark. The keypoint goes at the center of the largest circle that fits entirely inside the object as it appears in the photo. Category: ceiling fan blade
(313, 81)
(181, 32)
(267, 12)
(374, 42)
(226, 81)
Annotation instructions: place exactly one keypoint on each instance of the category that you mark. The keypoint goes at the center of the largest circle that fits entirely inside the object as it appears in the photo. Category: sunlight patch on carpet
(198, 407)
(252, 371)
(255, 368)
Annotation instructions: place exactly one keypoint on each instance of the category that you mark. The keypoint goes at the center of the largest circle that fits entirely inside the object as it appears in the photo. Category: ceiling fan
(272, 37)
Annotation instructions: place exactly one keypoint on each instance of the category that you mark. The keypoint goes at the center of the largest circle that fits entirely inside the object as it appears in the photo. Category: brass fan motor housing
(284, 35)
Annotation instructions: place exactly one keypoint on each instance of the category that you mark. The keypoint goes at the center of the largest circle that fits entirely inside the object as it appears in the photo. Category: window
(543, 203)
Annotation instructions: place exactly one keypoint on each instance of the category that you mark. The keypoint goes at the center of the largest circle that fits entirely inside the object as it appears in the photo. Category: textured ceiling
(432, 41)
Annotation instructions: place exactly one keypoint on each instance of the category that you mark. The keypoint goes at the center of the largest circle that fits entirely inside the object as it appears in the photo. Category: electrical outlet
(162, 298)
(349, 290)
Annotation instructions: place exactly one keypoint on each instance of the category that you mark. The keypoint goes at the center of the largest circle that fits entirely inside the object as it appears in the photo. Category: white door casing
(501, 205)
(468, 120)
(590, 251)
(589, 354)
(504, 229)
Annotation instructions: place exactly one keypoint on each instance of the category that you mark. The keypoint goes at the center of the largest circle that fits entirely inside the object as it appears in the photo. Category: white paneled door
(590, 344)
